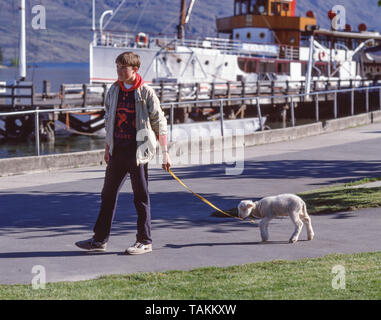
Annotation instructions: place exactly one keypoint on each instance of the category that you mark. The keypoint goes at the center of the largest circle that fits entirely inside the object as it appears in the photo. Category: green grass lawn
(302, 279)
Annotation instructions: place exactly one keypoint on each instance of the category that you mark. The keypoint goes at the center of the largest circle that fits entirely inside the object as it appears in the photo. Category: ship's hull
(221, 61)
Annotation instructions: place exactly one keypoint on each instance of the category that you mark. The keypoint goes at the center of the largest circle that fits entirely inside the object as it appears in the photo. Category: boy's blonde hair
(128, 59)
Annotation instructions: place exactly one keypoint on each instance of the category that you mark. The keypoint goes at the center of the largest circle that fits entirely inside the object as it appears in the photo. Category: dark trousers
(120, 164)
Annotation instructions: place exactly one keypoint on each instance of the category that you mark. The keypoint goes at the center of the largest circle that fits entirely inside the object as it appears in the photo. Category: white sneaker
(139, 248)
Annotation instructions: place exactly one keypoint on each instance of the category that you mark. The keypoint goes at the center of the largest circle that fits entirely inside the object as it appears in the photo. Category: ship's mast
(181, 28)
(184, 18)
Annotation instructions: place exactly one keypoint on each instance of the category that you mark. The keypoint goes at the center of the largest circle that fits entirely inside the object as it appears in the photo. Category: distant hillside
(68, 23)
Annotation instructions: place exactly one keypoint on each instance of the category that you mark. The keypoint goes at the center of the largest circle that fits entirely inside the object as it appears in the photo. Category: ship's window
(237, 8)
(266, 67)
(178, 60)
(206, 62)
(252, 7)
(275, 9)
(248, 36)
(244, 8)
(251, 66)
(237, 35)
(226, 64)
(283, 68)
(241, 64)
(262, 35)
(378, 69)
(247, 65)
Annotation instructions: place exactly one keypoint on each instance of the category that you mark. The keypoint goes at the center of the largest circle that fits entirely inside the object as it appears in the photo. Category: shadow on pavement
(341, 171)
(51, 254)
(44, 214)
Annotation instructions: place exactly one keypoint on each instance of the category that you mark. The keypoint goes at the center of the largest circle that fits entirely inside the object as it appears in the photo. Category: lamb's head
(244, 208)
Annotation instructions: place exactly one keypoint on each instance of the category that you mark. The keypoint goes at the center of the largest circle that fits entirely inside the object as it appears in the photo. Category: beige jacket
(150, 121)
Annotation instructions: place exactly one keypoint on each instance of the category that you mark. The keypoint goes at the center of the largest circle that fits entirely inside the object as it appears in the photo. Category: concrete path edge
(32, 164)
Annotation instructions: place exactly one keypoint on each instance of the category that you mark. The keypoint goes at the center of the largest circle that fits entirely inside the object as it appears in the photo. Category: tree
(379, 3)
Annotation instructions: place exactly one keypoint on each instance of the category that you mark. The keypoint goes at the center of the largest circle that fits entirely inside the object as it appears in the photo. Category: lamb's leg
(263, 225)
(298, 227)
(307, 221)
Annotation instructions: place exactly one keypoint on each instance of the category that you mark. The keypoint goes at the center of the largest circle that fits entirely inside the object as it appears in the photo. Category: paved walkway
(42, 215)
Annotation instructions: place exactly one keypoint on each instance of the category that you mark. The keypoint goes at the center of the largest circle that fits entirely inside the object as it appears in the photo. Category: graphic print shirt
(125, 121)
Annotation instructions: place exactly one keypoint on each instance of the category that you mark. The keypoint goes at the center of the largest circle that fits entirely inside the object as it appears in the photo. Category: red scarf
(137, 84)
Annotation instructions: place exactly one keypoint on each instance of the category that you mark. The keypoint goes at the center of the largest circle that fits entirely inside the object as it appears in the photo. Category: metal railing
(253, 100)
(227, 46)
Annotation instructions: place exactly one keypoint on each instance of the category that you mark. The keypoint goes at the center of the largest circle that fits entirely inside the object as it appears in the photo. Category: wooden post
(259, 114)
(292, 112)
(62, 95)
(229, 93)
(13, 97)
(84, 88)
(104, 94)
(212, 94)
(32, 96)
(287, 87)
(352, 101)
(258, 88)
(171, 122)
(46, 88)
(222, 117)
(37, 131)
(161, 91)
(272, 92)
(179, 87)
(317, 107)
(335, 105)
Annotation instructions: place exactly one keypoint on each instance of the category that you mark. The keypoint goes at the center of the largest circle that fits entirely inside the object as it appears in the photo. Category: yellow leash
(202, 198)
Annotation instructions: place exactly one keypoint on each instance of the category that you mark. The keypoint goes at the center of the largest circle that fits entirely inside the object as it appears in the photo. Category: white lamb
(276, 206)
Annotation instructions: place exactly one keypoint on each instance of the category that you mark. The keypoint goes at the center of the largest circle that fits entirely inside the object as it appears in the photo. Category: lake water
(57, 74)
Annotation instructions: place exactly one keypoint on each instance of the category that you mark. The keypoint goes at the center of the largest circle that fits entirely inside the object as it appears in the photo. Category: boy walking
(133, 123)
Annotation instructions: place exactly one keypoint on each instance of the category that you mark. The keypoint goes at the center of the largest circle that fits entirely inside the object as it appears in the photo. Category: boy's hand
(166, 161)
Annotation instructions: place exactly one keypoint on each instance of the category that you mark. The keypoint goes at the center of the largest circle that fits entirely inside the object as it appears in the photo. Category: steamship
(263, 40)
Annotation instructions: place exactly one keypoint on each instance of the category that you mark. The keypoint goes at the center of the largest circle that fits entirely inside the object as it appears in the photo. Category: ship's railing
(227, 46)
(256, 101)
(14, 97)
(170, 92)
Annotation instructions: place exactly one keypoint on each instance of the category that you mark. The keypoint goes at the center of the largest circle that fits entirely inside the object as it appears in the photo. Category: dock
(199, 102)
